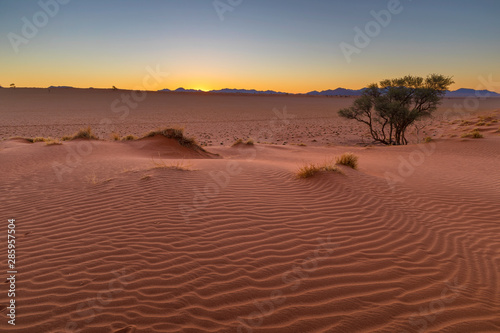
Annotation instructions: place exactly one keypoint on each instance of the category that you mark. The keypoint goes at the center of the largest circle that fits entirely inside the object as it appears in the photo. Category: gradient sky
(283, 45)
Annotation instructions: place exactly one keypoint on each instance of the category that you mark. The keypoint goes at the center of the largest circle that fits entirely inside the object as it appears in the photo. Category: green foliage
(390, 107)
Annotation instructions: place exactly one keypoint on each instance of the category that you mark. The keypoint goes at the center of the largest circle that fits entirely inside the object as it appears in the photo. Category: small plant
(474, 134)
(129, 137)
(92, 179)
(146, 177)
(311, 169)
(480, 123)
(466, 123)
(427, 139)
(177, 134)
(249, 142)
(348, 159)
(84, 133)
(52, 142)
(178, 165)
(115, 136)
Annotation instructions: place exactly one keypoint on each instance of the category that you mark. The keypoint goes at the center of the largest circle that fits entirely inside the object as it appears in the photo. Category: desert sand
(151, 236)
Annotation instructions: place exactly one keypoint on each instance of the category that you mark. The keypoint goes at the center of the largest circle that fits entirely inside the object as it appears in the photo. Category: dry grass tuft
(466, 123)
(48, 141)
(177, 165)
(92, 179)
(311, 169)
(348, 159)
(115, 136)
(177, 134)
(427, 139)
(52, 142)
(249, 142)
(474, 134)
(84, 133)
(129, 137)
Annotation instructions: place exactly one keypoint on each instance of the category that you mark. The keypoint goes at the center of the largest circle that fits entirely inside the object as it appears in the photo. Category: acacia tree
(390, 107)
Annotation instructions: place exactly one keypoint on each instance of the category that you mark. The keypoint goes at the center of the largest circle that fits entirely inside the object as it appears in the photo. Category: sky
(293, 46)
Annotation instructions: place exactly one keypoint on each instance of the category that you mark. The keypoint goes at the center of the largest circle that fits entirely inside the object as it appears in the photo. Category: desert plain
(148, 235)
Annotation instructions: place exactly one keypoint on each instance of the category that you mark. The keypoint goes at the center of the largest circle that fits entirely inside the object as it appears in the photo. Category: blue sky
(282, 45)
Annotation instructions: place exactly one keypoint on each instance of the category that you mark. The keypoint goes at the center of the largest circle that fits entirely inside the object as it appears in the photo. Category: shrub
(177, 134)
(51, 142)
(427, 139)
(348, 159)
(474, 134)
(84, 133)
(311, 169)
(115, 136)
(249, 142)
(129, 137)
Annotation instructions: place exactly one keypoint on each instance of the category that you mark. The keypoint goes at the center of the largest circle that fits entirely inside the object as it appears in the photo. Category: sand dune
(150, 236)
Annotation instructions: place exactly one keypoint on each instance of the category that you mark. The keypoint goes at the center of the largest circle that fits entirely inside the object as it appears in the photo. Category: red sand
(116, 237)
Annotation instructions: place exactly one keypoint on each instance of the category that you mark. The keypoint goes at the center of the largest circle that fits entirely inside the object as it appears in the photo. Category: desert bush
(249, 142)
(129, 137)
(115, 136)
(52, 142)
(474, 134)
(311, 169)
(177, 134)
(84, 133)
(348, 159)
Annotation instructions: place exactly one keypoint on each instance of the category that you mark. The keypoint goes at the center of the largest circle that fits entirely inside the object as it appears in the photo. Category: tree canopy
(390, 107)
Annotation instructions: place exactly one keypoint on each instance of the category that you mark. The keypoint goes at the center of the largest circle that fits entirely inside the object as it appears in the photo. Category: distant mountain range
(462, 92)
(231, 91)
(337, 92)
